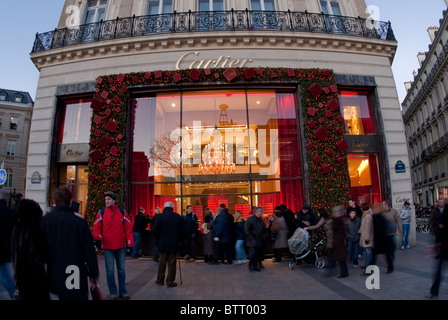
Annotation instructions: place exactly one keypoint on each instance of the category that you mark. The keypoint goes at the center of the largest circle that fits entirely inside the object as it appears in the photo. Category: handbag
(96, 293)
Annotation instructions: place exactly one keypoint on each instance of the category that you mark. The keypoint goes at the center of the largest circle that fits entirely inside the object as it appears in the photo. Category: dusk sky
(410, 20)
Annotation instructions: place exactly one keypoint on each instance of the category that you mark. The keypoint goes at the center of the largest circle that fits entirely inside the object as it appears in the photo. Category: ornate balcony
(231, 20)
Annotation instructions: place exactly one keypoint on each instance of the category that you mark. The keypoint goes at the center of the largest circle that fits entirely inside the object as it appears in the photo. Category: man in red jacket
(113, 228)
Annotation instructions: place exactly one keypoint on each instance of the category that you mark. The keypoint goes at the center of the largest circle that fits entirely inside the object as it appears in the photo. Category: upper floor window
(9, 178)
(11, 148)
(264, 5)
(331, 7)
(160, 6)
(18, 98)
(211, 5)
(2, 96)
(76, 122)
(356, 111)
(14, 123)
(96, 10)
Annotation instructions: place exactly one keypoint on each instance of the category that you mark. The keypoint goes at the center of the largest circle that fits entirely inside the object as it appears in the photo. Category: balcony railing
(231, 20)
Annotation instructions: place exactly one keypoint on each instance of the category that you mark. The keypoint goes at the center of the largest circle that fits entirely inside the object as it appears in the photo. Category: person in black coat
(168, 231)
(190, 224)
(70, 252)
(222, 235)
(442, 254)
(305, 217)
(140, 224)
(255, 231)
(27, 253)
(8, 220)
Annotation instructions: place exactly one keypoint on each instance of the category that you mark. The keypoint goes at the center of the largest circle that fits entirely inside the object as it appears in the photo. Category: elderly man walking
(167, 229)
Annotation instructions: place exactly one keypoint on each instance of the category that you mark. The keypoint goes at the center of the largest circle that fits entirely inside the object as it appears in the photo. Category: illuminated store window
(364, 178)
(357, 114)
(76, 123)
(205, 148)
(76, 178)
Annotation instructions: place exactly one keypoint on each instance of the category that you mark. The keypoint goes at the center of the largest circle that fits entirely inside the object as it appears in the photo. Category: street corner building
(204, 102)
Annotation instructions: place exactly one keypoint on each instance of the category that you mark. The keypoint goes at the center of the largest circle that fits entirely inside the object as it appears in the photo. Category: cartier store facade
(203, 143)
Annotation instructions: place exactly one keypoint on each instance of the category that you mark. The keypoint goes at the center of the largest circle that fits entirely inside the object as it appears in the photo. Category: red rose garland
(323, 127)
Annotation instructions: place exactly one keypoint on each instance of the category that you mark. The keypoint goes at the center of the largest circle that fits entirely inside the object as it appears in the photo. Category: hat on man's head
(305, 207)
(111, 194)
(168, 204)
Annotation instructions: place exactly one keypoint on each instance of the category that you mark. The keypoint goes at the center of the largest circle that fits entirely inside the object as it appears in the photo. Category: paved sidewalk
(411, 280)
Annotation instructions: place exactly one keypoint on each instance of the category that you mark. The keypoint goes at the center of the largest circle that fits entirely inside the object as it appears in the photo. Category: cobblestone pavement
(411, 280)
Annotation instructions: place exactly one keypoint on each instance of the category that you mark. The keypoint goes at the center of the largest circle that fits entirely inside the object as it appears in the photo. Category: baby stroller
(301, 247)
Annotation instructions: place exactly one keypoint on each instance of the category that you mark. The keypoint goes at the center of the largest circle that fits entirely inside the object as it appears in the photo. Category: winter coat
(239, 228)
(339, 252)
(444, 234)
(113, 229)
(255, 231)
(190, 225)
(310, 216)
(327, 226)
(207, 237)
(140, 223)
(281, 229)
(405, 215)
(168, 231)
(393, 222)
(8, 219)
(366, 230)
(223, 227)
(67, 241)
(353, 229)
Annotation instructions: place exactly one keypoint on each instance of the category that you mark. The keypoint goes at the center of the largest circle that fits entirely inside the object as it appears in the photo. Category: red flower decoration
(147, 75)
(121, 77)
(116, 99)
(124, 89)
(333, 105)
(291, 72)
(249, 73)
(311, 124)
(341, 160)
(329, 114)
(326, 90)
(315, 90)
(96, 104)
(320, 133)
(112, 125)
(97, 119)
(340, 118)
(177, 77)
(334, 88)
(194, 74)
(104, 94)
(95, 155)
(317, 159)
(311, 111)
(114, 150)
(107, 112)
(329, 152)
(229, 74)
(105, 141)
(326, 169)
(342, 145)
(158, 74)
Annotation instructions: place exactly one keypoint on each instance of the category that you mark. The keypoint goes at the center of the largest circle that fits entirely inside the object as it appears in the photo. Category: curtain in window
(289, 153)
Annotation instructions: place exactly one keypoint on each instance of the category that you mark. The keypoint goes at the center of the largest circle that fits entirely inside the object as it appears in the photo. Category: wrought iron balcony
(231, 20)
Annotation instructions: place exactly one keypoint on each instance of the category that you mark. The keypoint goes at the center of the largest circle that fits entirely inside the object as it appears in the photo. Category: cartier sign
(362, 143)
(74, 152)
(193, 60)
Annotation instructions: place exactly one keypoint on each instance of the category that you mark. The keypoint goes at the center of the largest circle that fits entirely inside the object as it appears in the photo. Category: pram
(301, 246)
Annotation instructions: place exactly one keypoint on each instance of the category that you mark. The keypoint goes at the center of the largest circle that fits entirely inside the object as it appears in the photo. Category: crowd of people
(56, 253)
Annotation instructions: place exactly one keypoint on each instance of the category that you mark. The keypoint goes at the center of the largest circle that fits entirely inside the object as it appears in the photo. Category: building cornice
(216, 40)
